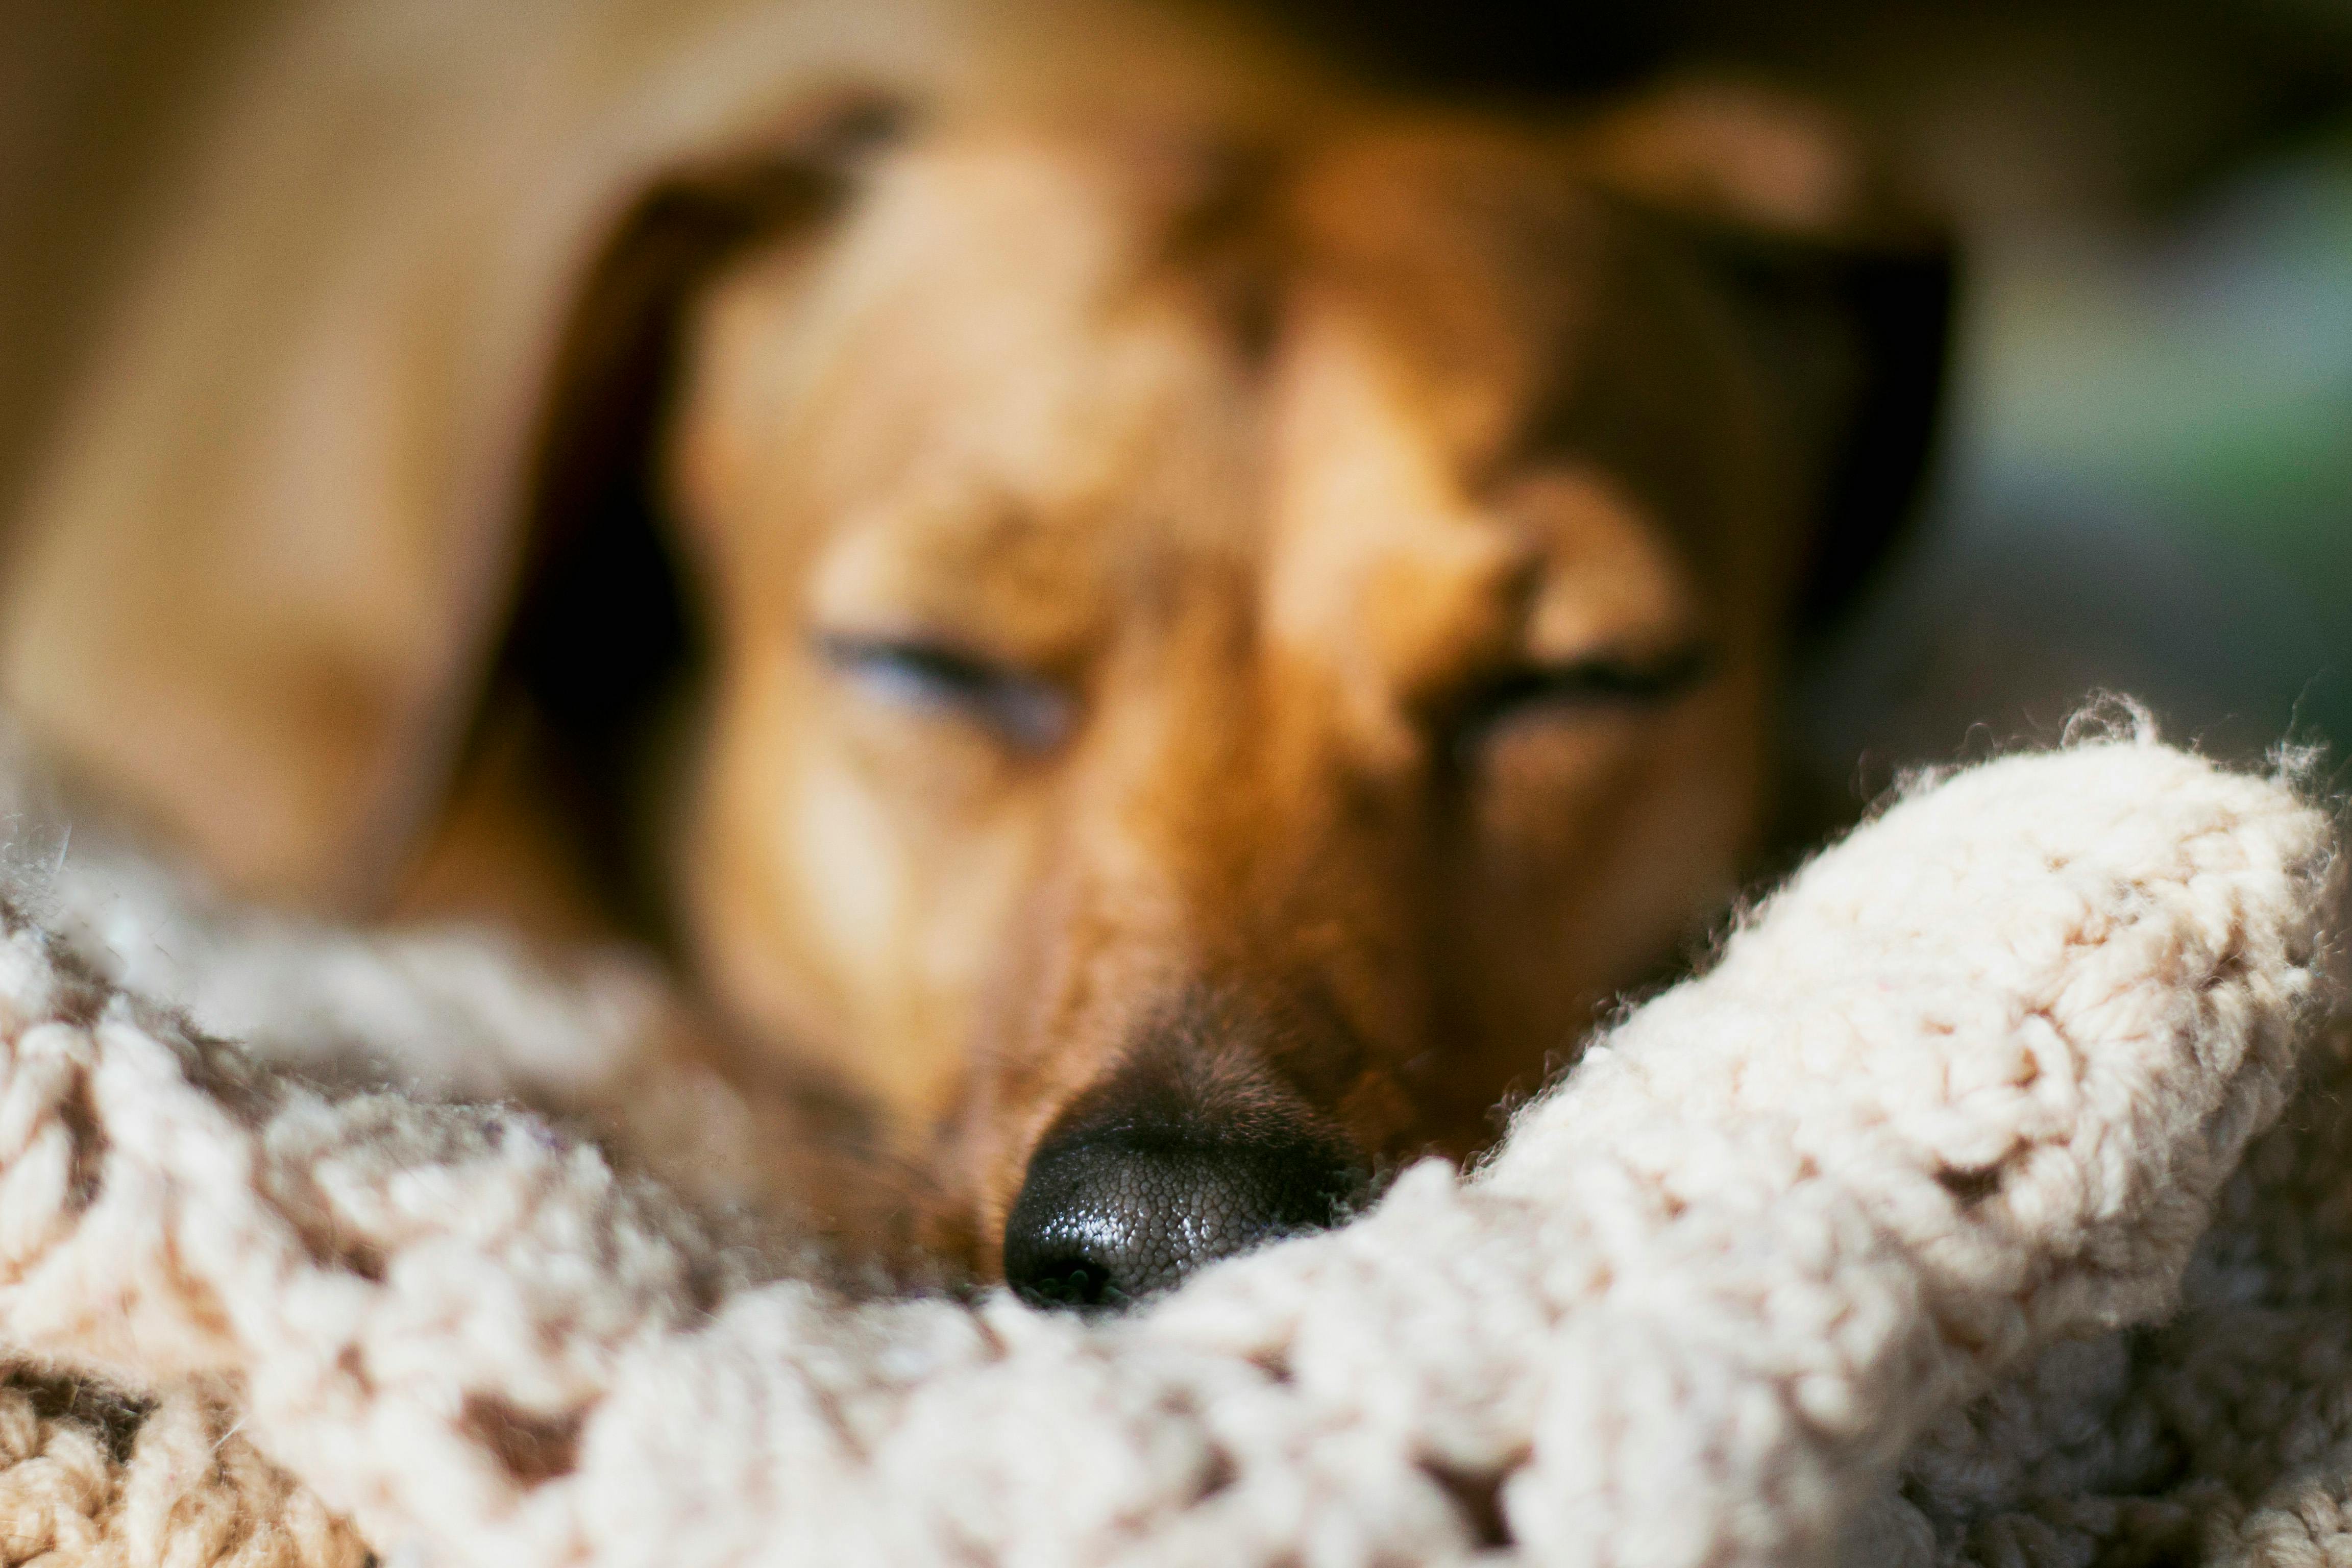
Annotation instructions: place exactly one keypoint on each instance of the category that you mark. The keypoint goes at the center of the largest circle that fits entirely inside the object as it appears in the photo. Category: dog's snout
(1106, 1219)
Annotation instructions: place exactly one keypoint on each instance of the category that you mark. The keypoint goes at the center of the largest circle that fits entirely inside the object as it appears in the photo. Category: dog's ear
(360, 398)
(601, 626)
(1848, 287)
(613, 366)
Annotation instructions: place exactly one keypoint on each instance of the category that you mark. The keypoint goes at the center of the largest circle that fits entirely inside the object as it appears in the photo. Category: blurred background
(2147, 481)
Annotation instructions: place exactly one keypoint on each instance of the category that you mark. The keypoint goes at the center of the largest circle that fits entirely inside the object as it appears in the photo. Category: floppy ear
(601, 626)
(1848, 289)
(256, 596)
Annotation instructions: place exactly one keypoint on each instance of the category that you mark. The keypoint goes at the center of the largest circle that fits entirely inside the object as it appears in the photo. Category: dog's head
(1223, 654)
(1217, 651)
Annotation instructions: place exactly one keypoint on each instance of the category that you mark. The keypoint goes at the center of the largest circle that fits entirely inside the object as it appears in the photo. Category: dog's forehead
(1483, 254)
(1032, 254)
(1532, 321)
(1043, 364)
(995, 319)
(1478, 257)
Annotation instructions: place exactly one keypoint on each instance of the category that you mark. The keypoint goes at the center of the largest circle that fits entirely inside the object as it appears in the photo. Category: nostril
(1113, 1217)
(1069, 1282)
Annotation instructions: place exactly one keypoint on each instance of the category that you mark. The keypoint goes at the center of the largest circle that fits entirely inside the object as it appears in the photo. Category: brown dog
(1220, 637)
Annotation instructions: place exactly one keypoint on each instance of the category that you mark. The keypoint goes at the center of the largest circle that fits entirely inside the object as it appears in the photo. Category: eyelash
(1034, 714)
(1027, 712)
(1586, 686)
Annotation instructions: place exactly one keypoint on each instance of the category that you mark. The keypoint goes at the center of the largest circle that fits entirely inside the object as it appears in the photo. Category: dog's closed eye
(1027, 712)
(1572, 689)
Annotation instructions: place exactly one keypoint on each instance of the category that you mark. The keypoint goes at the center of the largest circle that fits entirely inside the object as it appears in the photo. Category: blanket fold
(1850, 1245)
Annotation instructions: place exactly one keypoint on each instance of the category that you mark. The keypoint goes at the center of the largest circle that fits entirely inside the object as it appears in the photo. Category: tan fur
(992, 415)
(1251, 452)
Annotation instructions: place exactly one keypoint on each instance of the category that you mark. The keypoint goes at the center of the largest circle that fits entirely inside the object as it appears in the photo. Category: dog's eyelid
(1588, 683)
(1028, 710)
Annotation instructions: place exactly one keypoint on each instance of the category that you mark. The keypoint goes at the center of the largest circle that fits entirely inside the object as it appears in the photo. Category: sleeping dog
(1166, 648)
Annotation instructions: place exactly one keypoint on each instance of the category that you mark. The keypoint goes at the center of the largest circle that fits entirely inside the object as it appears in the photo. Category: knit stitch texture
(1949, 1217)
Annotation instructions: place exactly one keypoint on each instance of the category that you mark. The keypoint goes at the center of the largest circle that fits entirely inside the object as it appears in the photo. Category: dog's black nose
(1106, 1218)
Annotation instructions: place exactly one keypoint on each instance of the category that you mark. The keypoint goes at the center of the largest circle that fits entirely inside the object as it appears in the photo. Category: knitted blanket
(1949, 1215)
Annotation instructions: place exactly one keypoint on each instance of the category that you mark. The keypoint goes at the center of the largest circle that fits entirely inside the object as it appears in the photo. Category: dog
(1219, 626)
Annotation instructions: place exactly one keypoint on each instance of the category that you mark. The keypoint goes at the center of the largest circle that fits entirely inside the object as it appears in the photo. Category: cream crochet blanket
(1937, 1221)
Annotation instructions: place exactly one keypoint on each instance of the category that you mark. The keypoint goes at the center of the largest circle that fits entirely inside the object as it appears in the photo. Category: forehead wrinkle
(1649, 376)
(1386, 572)
(1474, 256)
(955, 305)
(1073, 421)
(1224, 244)
(1542, 326)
